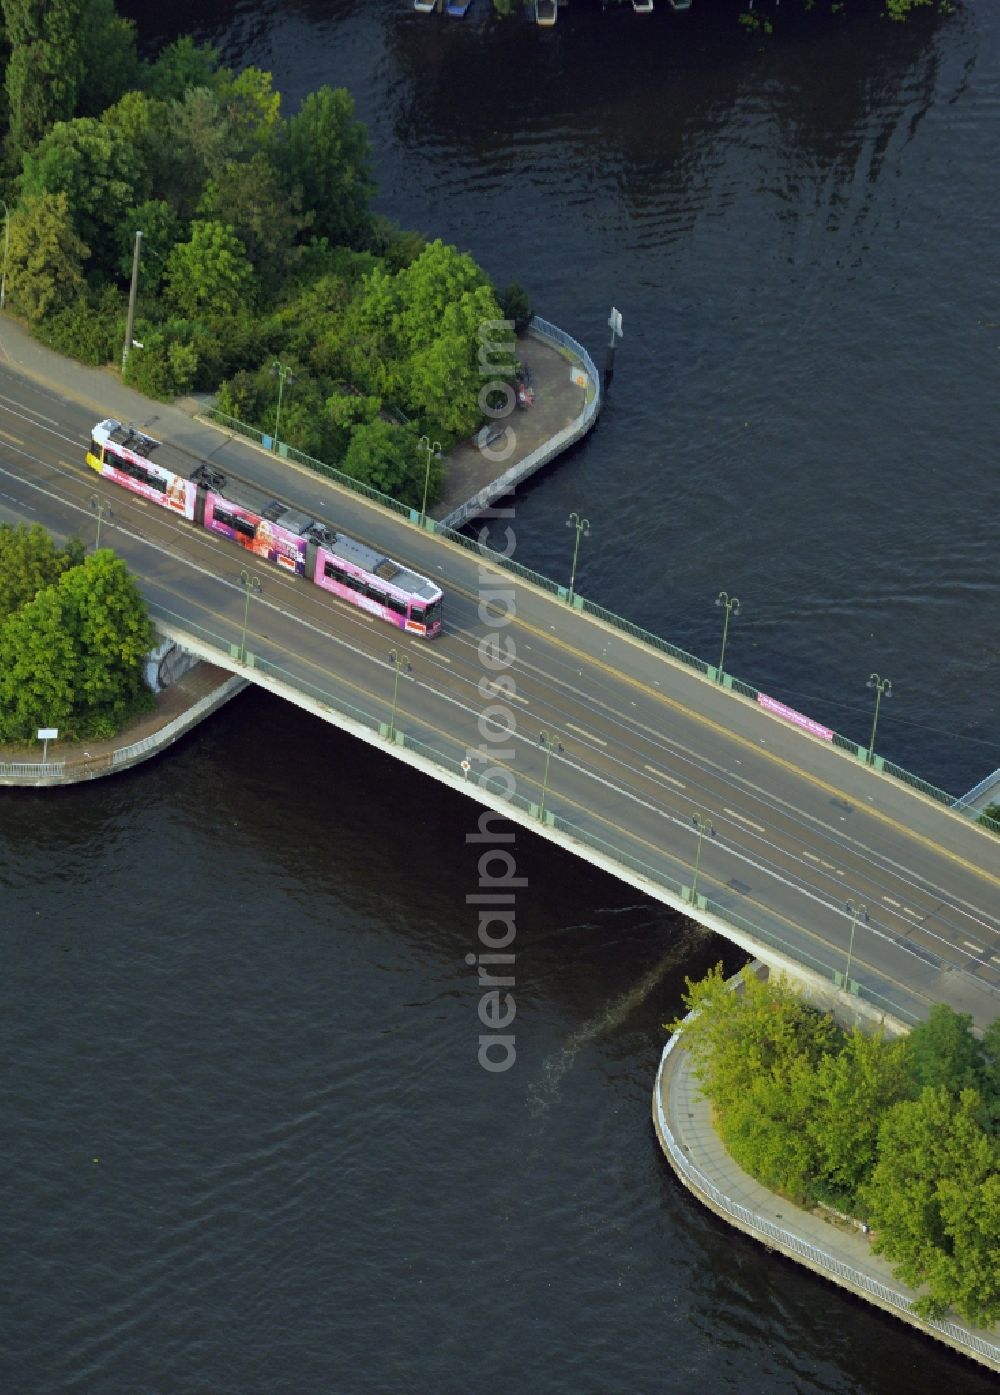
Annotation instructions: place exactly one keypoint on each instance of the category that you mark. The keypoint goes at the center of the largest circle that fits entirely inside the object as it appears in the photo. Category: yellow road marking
(8, 437)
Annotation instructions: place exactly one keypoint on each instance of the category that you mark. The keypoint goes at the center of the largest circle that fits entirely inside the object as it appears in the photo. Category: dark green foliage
(943, 1051)
(515, 304)
(903, 1133)
(250, 198)
(45, 257)
(328, 158)
(92, 329)
(71, 653)
(30, 561)
(101, 175)
(163, 368)
(387, 457)
(46, 68)
(934, 1198)
(181, 66)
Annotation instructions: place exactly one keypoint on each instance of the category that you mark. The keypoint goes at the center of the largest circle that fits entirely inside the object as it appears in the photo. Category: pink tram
(269, 528)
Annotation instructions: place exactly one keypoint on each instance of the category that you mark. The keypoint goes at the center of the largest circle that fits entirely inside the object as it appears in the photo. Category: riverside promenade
(824, 1243)
(191, 698)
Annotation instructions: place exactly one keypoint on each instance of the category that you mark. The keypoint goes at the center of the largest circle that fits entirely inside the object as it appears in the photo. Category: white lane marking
(580, 732)
(50, 420)
(757, 827)
(971, 944)
(661, 775)
(810, 856)
(890, 902)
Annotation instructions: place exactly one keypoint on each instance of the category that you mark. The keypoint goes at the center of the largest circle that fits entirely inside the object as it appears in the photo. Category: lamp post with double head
(582, 526)
(399, 663)
(857, 912)
(731, 604)
(703, 826)
(433, 449)
(284, 375)
(103, 510)
(250, 582)
(6, 249)
(883, 688)
(550, 743)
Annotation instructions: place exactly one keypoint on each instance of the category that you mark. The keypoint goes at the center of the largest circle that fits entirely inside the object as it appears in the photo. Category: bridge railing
(451, 760)
(588, 607)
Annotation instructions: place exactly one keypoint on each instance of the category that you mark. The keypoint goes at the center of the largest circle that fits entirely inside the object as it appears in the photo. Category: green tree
(180, 67)
(46, 69)
(853, 1090)
(251, 198)
(30, 561)
(941, 1050)
(328, 157)
(252, 110)
(111, 64)
(45, 257)
(209, 274)
(161, 230)
(100, 174)
(934, 1199)
(112, 634)
(386, 457)
(38, 669)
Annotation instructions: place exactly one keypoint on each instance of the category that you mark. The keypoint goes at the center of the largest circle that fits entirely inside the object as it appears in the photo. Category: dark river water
(248, 1147)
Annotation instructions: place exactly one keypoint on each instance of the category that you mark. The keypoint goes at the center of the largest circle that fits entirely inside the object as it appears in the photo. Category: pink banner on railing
(779, 709)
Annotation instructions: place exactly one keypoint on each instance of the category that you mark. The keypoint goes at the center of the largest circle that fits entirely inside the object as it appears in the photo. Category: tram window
(230, 520)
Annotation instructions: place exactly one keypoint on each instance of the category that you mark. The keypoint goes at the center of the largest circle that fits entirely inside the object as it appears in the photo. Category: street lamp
(250, 582)
(732, 607)
(6, 248)
(103, 510)
(582, 526)
(883, 688)
(398, 662)
(283, 375)
(132, 292)
(433, 449)
(856, 912)
(550, 744)
(703, 826)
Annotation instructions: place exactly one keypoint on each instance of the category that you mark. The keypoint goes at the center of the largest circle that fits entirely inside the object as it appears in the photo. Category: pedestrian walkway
(828, 1245)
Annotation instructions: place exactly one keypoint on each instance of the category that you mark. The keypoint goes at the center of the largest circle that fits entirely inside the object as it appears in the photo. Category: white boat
(424, 7)
(679, 4)
(458, 8)
(546, 12)
(643, 7)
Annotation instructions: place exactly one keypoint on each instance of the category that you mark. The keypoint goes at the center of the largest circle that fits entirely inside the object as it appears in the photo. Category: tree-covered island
(903, 1135)
(262, 264)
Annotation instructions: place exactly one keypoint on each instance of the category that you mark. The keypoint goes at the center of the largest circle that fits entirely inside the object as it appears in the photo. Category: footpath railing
(88, 767)
(587, 607)
(31, 770)
(451, 756)
(793, 1244)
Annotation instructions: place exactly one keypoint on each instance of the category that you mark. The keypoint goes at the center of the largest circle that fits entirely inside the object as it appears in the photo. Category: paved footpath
(682, 1118)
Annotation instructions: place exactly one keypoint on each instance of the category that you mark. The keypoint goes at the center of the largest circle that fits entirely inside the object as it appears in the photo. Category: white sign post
(45, 735)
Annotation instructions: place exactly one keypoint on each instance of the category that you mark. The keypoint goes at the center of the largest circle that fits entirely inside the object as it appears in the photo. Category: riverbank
(831, 1247)
(191, 698)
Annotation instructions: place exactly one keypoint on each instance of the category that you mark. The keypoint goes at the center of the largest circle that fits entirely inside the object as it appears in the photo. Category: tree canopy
(902, 1133)
(73, 636)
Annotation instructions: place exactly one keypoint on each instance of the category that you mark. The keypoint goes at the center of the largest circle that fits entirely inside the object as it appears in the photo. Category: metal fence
(791, 1243)
(31, 770)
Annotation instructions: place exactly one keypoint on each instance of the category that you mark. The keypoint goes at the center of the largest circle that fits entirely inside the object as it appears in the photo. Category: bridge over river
(564, 719)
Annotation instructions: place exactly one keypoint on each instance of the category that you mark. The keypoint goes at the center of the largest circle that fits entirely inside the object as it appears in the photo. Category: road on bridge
(635, 746)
